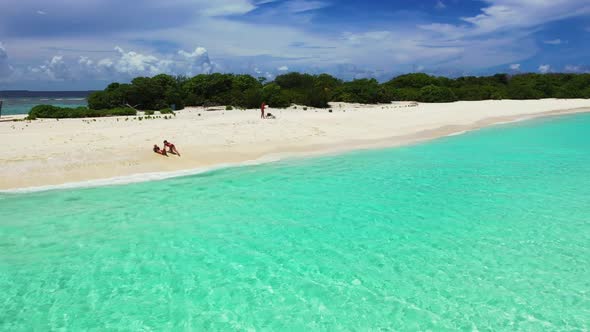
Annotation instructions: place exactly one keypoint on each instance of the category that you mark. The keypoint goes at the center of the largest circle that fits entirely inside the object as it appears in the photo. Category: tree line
(246, 91)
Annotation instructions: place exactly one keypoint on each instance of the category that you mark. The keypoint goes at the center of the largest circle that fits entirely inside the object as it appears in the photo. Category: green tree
(417, 81)
(436, 94)
(366, 91)
(274, 96)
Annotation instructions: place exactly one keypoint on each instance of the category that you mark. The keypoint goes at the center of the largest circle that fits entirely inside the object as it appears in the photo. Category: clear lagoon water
(484, 231)
(22, 105)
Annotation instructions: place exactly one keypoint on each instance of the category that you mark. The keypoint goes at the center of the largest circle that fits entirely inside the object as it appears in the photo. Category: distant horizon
(4, 94)
(47, 90)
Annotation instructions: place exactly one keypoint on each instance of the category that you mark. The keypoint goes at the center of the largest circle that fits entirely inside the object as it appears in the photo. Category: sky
(86, 44)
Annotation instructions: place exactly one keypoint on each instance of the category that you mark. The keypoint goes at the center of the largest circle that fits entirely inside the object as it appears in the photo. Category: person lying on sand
(160, 151)
(171, 148)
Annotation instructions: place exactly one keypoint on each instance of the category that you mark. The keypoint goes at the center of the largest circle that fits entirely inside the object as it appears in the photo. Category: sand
(50, 152)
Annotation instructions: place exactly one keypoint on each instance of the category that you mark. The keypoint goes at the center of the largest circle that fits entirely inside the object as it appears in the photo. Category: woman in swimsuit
(159, 151)
(171, 148)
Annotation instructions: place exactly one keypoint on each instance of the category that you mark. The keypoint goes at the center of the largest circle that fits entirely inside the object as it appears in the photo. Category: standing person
(262, 110)
(171, 148)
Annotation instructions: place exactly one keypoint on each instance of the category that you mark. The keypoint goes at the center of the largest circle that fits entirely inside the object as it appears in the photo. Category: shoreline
(227, 156)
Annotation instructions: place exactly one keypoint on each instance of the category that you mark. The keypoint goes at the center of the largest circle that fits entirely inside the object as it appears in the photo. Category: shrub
(55, 112)
(228, 108)
(167, 111)
(149, 112)
(119, 112)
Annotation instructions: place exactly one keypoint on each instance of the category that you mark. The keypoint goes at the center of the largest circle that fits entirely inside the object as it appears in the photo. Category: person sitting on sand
(270, 116)
(171, 148)
(160, 151)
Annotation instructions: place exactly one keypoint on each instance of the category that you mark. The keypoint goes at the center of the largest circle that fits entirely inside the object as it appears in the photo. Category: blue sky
(84, 44)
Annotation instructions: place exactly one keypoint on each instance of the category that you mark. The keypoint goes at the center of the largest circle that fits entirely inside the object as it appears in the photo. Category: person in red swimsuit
(262, 110)
(160, 151)
(171, 148)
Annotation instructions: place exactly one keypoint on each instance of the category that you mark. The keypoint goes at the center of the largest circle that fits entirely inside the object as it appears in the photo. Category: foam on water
(486, 231)
(141, 177)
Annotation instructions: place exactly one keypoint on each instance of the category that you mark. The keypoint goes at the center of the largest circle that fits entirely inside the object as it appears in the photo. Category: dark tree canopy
(245, 91)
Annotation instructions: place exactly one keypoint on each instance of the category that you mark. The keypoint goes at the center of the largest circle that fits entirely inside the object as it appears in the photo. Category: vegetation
(244, 91)
(55, 112)
(167, 111)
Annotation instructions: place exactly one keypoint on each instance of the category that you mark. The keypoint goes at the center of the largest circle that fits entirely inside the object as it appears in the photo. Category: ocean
(489, 230)
(21, 102)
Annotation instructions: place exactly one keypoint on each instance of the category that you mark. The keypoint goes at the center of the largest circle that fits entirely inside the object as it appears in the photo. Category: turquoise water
(485, 231)
(12, 106)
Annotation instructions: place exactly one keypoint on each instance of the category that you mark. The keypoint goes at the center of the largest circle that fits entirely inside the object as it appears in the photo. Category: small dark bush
(149, 112)
(167, 111)
(228, 108)
(55, 112)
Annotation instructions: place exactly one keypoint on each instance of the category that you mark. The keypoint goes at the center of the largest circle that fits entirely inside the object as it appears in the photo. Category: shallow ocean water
(489, 230)
(23, 105)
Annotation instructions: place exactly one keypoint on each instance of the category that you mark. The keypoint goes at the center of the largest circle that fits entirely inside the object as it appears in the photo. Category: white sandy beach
(50, 152)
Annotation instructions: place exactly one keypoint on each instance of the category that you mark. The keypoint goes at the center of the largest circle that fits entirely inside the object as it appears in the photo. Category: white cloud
(197, 62)
(300, 6)
(504, 15)
(55, 69)
(515, 66)
(227, 7)
(135, 64)
(96, 8)
(283, 68)
(3, 54)
(366, 36)
(577, 69)
(440, 5)
(124, 66)
(5, 68)
(106, 63)
(85, 61)
(502, 32)
(544, 69)
(553, 41)
(197, 53)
